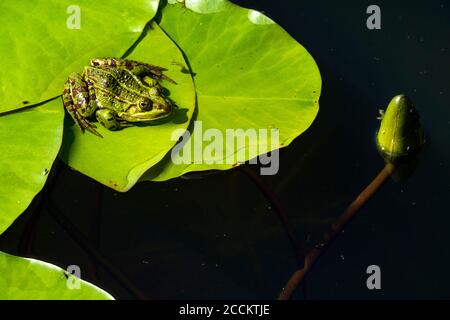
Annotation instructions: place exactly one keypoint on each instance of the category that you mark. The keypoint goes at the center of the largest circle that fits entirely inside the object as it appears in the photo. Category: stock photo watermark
(73, 21)
(213, 146)
(73, 277)
(374, 280)
(374, 20)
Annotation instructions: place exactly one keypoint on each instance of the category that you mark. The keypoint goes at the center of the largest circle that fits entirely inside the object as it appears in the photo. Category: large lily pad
(249, 74)
(30, 279)
(121, 157)
(41, 43)
(29, 143)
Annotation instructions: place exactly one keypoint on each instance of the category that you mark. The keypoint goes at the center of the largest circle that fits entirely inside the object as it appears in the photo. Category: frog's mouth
(154, 114)
(161, 111)
(165, 108)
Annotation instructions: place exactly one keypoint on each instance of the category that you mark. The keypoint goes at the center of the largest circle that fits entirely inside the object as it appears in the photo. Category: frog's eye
(145, 104)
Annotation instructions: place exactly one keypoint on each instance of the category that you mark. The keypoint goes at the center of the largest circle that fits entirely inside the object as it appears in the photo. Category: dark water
(218, 237)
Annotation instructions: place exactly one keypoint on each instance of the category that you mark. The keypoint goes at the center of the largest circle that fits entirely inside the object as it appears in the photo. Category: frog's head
(147, 109)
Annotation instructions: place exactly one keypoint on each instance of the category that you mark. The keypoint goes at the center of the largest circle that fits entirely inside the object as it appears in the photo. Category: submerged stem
(335, 229)
(281, 212)
(76, 235)
(27, 238)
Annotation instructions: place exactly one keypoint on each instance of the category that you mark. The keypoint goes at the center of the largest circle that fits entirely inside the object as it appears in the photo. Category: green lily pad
(30, 279)
(121, 157)
(249, 74)
(29, 143)
(42, 44)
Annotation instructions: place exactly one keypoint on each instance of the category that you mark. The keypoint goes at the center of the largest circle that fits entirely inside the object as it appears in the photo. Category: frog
(400, 135)
(118, 93)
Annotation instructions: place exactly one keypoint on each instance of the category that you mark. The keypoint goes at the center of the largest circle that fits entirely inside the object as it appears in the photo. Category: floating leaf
(249, 74)
(121, 157)
(30, 279)
(29, 143)
(42, 43)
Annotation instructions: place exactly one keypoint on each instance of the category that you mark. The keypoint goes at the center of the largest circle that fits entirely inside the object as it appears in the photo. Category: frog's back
(117, 88)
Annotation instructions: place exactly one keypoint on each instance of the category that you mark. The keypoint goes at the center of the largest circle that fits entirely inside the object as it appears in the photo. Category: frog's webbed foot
(381, 114)
(138, 68)
(76, 101)
(110, 120)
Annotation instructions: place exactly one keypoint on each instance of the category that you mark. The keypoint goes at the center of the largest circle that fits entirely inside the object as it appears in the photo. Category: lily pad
(30, 279)
(44, 41)
(121, 157)
(29, 143)
(249, 74)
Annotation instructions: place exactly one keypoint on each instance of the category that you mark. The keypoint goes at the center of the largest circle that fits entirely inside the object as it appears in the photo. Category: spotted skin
(137, 68)
(118, 92)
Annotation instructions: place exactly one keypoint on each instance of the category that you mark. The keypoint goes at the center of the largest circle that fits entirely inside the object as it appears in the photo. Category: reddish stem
(334, 230)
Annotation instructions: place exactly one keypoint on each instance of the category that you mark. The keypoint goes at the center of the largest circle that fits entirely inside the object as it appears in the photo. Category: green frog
(118, 92)
(401, 133)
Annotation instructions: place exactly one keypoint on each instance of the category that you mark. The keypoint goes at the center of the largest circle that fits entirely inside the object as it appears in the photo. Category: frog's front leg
(77, 102)
(109, 119)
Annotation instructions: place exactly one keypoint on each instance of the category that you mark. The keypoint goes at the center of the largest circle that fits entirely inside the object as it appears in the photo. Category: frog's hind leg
(77, 103)
(91, 106)
(138, 68)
